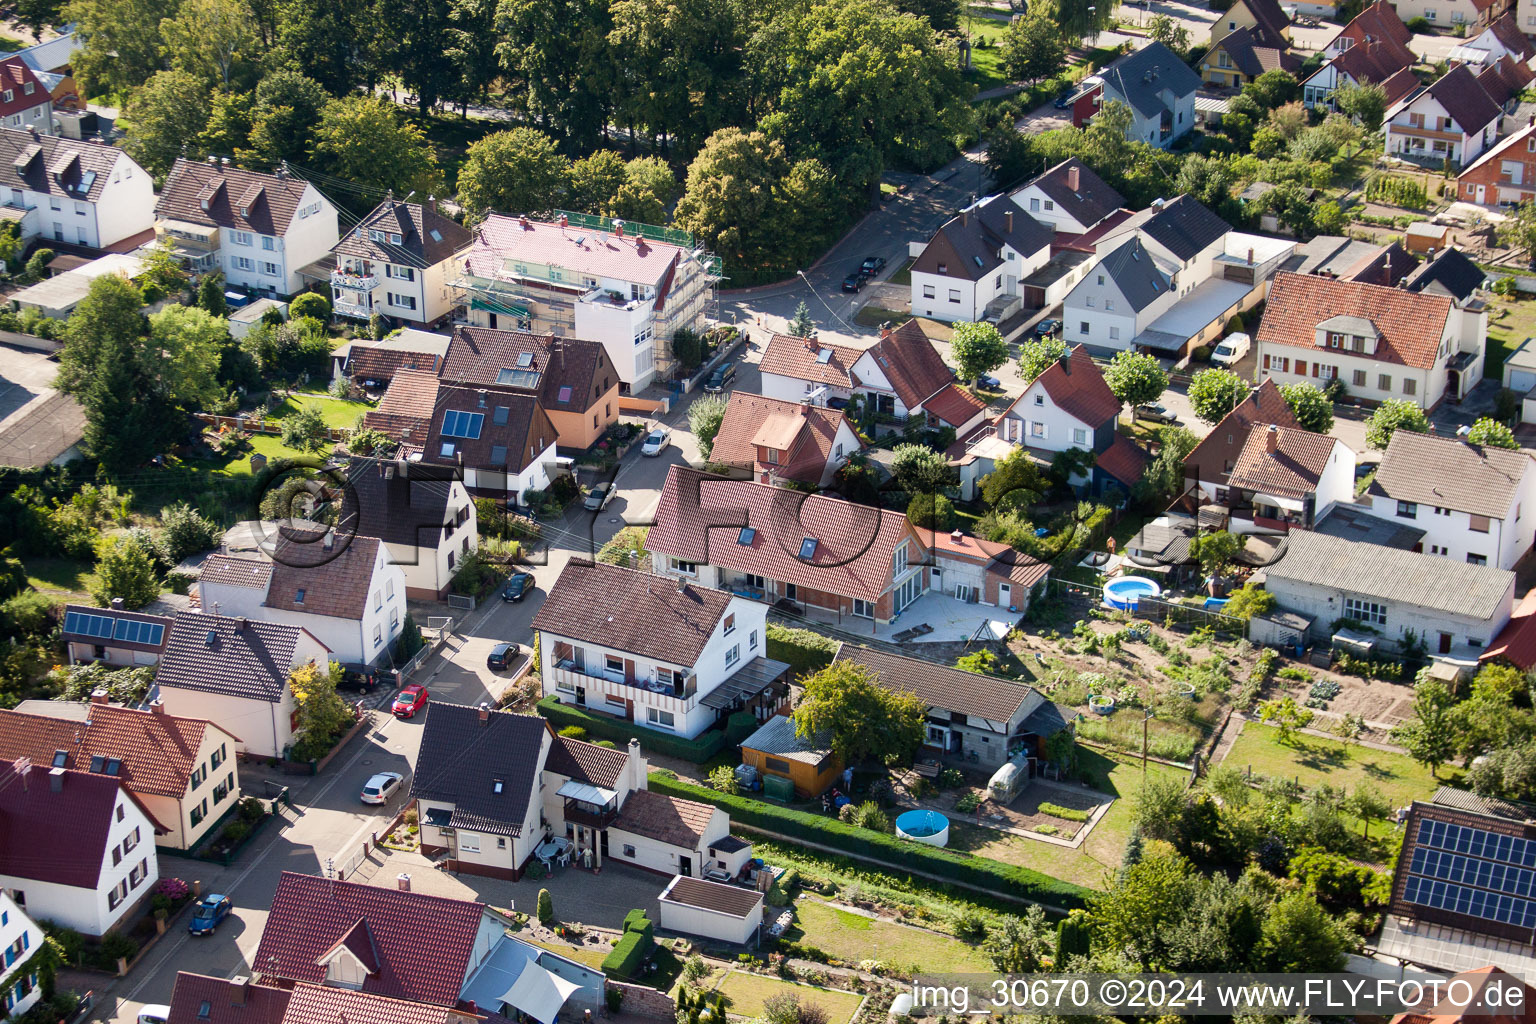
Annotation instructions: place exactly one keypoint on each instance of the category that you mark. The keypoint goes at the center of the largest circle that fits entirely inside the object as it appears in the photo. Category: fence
(441, 626)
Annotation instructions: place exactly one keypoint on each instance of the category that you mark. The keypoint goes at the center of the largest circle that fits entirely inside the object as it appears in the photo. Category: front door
(1004, 595)
(685, 866)
(1445, 643)
(936, 578)
(1482, 193)
(790, 592)
(581, 696)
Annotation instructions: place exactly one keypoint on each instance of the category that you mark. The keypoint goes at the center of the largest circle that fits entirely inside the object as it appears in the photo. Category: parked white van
(1232, 348)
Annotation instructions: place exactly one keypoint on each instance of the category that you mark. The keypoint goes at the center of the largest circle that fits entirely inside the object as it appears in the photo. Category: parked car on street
(1046, 328)
(1153, 413)
(872, 265)
(1064, 101)
(853, 282)
(989, 383)
(721, 377)
(210, 910)
(655, 442)
(517, 586)
(380, 788)
(599, 497)
(360, 678)
(409, 701)
(501, 656)
(154, 1013)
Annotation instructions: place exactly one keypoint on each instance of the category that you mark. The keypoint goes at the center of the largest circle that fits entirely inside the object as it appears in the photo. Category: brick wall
(640, 1001)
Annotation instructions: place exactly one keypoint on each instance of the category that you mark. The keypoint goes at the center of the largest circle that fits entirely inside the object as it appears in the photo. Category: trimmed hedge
(1006, 880)
(636, 921)
(628, 955)
(804, 650)
(563, 716)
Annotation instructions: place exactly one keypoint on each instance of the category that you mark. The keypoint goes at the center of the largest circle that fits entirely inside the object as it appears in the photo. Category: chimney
(100, 696)
(1008, 220)
(240, 624)
(158, 707)
(238, 986)
(117, 604)
(885, 332)
(957, 537)
(485, 713)
(329, 541)
(637, 765)
(1250, 255)
(1073, 178)
(963, 215)
(432, 203)
(1271, 439)
(56, 780)
(1066, 359)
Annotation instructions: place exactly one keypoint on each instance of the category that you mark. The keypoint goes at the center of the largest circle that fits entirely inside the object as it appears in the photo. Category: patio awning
(752, 679)
(587, 794)
(491, 306)
(538, 993)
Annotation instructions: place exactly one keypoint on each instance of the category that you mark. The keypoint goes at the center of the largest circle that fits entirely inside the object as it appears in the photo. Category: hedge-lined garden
(619, 731)
(804, 649)
(629, 953)
(1003, 879)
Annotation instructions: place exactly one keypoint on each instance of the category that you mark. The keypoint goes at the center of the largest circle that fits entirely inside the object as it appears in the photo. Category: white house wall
(1470, 636)
(126, 206)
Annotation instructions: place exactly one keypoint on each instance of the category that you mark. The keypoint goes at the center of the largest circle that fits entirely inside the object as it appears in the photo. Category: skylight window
(500, 416)
(808, 549)
(447, 449)
(525, 359)
(746, 536)
(298, 596)
(114, 766)
(96, 762)
(824, 356)
(59, 757)
(462, 424)
(437, 236)
(497, 785)
(978, 260)
(564, 394)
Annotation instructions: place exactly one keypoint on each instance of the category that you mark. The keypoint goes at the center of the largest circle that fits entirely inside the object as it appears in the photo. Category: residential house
(1285, 478)
(259, 229)
(1457, 607)
(901, 375)
(372, 365)
(63, 190)
(406, 411)
(113, 635)
(1241, 56)
(807, 764)
(1337, 257)
(972, 267)
(93, 880)
(1381, 342)
(1501, 38)
(234, 672)
(1264, 17)
(1449, 273)
(979, 571)
(21, 942)
(398, 262)
(1069, 198)
(781, 441)
(1070, 407)
(661, 651)
(25, 102)
(1452, 119)
(1209, 466)
(500, 437)
(422, 515)
(1471, 14)
(628, 286)
(1504, 174)
(1154, 83)
(575, 381)
(1371, 50)
(828, 556)
(180, 769)
(493, 786)
(972, 718)
(51, 63)
(340, 588)
(1378, 23)
(1469, 499)
(1505, 80)
(330, 942)
(1387, 268)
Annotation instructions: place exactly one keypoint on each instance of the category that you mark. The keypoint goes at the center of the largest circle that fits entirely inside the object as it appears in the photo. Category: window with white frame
(469, 843)
(243, 237)
(1362, 610)
(864, 609)
(677, 565)
(659, 718)
(732, 655)
(752, 640)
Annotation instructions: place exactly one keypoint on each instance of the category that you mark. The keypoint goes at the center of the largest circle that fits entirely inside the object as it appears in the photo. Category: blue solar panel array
(87, 624)
(135, 632)
(462, 424)
(1474, 872)
(106, 627)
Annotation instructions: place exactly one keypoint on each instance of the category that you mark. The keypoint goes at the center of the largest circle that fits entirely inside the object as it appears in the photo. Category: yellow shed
(775, 750)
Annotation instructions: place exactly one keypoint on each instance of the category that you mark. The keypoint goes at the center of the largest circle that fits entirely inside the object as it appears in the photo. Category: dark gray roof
(426, 236)
(1452, 271)
(1048, 719)
(1142, 77)
(83, 179)
(1136, 274)
(1464, 98)
(1184, 227)
(975, 238)
(1330, 255)
(1351, 522)
(216, 654)
(1447, 472)
(1090, 203)
(462, 758)
(1462, 800)
(943, 686)
(399, 503)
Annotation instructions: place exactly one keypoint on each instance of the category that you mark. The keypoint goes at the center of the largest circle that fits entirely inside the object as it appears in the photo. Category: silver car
(599, 497)
(655, 442)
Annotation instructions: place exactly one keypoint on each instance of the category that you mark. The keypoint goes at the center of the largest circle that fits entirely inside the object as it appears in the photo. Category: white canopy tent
(538, 993)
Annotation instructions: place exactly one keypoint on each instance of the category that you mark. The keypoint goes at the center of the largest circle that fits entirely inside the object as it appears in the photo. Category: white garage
(726, 913)
(1520, 367)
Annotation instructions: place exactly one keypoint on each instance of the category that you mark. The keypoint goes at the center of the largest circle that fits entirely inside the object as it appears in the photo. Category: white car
(154, 1013)
(655, 442)
(381, 787)
(1232, 348)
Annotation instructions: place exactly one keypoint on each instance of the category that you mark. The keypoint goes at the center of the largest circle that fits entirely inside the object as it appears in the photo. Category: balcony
(192, 237)
(568, 676)
(579, 812)
(352, 309)
(354, 282)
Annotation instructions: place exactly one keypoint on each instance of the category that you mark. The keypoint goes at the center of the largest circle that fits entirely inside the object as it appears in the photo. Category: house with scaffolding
(627, 285)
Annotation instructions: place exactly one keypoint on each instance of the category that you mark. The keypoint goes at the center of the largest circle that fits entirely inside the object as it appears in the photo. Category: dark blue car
(518, 585)
(210, 910)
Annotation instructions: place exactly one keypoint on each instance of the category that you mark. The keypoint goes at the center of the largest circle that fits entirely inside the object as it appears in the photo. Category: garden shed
(726, 913)
(778, 754)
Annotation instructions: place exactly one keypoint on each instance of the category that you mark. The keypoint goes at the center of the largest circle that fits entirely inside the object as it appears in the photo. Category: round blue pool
(1124, 592)
(929, 827)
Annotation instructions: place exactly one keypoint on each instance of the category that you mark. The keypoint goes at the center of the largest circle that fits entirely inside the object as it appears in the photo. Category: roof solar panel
(462, 424)
(86, 624)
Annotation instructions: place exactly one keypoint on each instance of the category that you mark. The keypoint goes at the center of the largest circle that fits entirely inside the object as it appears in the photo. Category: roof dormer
(1347, 333)
(210, 193)
(251, 199)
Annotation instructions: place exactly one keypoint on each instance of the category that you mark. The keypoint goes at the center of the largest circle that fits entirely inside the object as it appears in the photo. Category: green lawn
(1094, 863)
(853, 937)
(747, 993)
(986, 61)
(1315, 759)
(337, 413)
(581, 954)
(1509, 323)
(270, 445)
(874, 316)
(903, 276)
(60, 577)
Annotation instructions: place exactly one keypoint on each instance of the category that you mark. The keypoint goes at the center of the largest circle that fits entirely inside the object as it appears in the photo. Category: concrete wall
(711, 924)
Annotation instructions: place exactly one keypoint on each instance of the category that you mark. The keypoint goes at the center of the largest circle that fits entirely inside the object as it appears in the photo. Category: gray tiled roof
(943, 686)
(1407, 577)
(1451, 270)
(216, 654)
(1185, 227)
(1142, 77)
(1093, 199)
(1136, 274)
(461, 758)
(1445, 472)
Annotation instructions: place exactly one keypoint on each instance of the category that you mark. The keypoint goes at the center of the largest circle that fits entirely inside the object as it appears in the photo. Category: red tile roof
(1516, 642)
(407, 406)
(954, 406)
(269, 202)
(1505, 78)
(322, 1004)
(910, 362)
(788, 356)
(586, 762)
(999, 559)
(226, 1002)
(700, 517)
(1376, 63)
(1124, 460)
(1378, 23)
(33, 818)
(666, 819)
(424, 943)
(1507, 31)
(15, 76)
(368, 362)
(809, 433)
(1411, 324)
(1264, 404)
(1077, 386)
(1473, 1004)
(1291, 469)
(334, 581)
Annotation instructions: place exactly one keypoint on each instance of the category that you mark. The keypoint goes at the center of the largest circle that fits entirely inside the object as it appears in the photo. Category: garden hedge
(627, 956)
(1006, 880)
(804, 650)
(636, 921)
(699, 750)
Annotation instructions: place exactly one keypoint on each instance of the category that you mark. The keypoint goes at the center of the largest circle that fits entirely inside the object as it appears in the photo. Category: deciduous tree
(1490, 433)
(364, 140)
(1313, 409)
(206, 38)
(863, 719)
(595, 181)
(704, 417)
(978, 348)
(124, 569)
(1039, 355)
(1032, 49)
(1391, 416)
(919, 469)
(322, 712)
(1014, 483)
(163, 120)
(514, 172)
(1430, 736)
(285, 111)
(1135, 378)
(1286, 716)
(121, 42)
(1214, 392)
(1366, 104)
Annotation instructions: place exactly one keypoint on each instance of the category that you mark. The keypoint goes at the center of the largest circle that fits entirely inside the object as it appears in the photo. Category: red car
(411, 700)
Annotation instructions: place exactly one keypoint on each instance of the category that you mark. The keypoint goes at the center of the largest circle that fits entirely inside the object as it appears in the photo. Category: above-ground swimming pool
(929, 827)
(1124, 592)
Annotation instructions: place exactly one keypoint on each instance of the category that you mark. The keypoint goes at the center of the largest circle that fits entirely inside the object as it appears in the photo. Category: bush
(574, 732)
(804, 650)
(615, 999)
(968, 802)
(251, 810)
(1065, 813)
(971, 927)
(310, 304)
(951, 778)
(1008, 880)
(931, 512)
(724, 779)
(627, 956)
(546, 907)
(698, 750)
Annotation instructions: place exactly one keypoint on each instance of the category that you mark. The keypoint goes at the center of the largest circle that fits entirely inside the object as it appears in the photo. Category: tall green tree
(188, 342)
(1391, 416)
(283, 115)
(1032, 49)
(679, 78)
(649, 190)
(977, 348)
(1214, 392)
(919, 469)
(514, 172)
(1039, 355)
(704, 417)
(471, 51)
(558, 52)
(336, 45)
(1138, 915)
(228, 129)
(206, 38)
(863, 718)
(124, 570)
(121, 42)
(1366, 104)
(1313, 409)
(595, 181)
(414, 35)
(164, 119)
(1490, 433)
(1014, 483)
(365, 140)
(1163, 479)
(1429, 736)
(102, 365)
(1135, 378)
